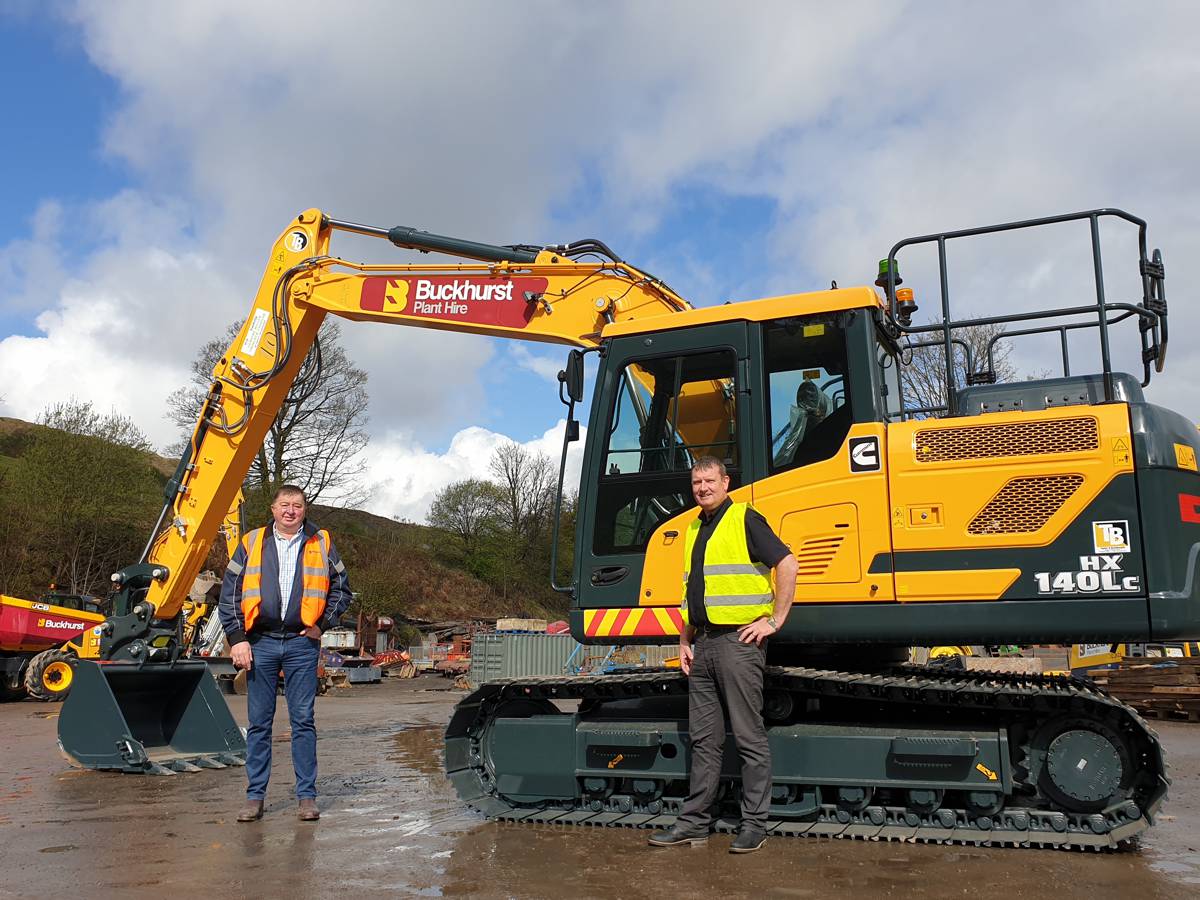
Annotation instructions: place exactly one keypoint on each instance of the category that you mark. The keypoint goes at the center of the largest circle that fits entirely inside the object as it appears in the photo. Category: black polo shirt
(762, 542)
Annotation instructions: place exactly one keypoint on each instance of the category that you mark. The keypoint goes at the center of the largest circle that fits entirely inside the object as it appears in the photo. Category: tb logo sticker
(864, 454)
(1111, 536)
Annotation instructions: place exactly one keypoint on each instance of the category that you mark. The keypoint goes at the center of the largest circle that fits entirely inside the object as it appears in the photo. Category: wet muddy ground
(392, 826)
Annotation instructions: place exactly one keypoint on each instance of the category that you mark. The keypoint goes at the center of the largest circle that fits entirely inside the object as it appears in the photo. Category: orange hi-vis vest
(314, 570)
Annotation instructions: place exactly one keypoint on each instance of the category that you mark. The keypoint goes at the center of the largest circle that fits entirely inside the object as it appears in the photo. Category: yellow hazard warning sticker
(986, 772)
(1120, 451)
(814, 330)
(1185, 457)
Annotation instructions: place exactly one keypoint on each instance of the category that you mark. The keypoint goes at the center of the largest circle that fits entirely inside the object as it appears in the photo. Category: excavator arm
(144, 707)
(563, 295)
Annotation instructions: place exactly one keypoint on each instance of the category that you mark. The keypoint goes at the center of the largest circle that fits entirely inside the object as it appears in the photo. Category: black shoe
(677, 835)
(748, 840)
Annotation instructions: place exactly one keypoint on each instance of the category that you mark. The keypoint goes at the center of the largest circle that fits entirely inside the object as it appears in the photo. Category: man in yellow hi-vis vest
(729, 611)
(283, 587)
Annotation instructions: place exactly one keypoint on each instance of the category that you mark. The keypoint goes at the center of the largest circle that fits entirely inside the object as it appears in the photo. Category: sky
(153, 152)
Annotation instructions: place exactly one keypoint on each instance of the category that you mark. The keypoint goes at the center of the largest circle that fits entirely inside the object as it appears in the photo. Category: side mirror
(572, 376)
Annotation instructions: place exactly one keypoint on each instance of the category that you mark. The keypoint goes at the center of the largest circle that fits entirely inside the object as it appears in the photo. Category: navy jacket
(230, 607)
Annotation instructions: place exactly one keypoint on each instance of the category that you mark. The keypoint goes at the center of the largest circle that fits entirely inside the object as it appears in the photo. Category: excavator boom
(144, 707)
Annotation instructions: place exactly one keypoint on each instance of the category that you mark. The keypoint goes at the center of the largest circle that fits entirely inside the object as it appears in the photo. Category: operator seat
(825, 439)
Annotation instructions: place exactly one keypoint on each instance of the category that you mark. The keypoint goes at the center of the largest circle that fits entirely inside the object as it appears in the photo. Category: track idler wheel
(778, 706)
(49, 675)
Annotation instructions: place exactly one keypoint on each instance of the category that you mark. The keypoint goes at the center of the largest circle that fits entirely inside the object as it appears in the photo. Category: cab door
(663, 400)
(822, 484)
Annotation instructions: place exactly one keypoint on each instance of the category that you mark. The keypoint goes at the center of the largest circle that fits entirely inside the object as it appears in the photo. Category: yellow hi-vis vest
(314, 571)
(737, 590)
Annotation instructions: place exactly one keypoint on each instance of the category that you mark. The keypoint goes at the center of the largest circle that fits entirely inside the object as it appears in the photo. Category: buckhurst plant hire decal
(475, 300)
(1098, 573)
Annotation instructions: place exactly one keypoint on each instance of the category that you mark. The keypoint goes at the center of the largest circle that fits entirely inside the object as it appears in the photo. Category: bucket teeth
(156, 769)
(182, 765)
(207, 762)
(231, 759)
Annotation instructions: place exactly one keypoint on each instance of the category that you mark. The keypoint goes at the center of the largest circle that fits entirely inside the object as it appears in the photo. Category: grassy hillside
(396, 567)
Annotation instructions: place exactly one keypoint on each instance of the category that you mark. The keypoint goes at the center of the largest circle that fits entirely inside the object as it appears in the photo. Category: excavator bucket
(148, 718)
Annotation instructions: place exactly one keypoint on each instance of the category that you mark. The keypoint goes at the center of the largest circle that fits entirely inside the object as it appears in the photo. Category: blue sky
(154, 151)
(56, 103)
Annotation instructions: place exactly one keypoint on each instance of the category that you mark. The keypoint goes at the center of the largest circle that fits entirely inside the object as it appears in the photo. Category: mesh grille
(816, 554)
(1025, 504)
(1013, 439)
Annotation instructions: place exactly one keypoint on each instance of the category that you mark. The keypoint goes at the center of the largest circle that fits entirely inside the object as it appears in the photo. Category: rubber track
(1003, 697)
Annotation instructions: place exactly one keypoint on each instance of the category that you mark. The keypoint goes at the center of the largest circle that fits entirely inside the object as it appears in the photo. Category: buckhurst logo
(451, 298)
(461, 290)
(483, 300)
(59, 623)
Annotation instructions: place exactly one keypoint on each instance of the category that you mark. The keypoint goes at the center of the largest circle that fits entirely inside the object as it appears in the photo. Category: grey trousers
(727, 680)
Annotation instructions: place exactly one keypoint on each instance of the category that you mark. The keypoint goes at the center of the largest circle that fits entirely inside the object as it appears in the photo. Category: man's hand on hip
(756, 632)
(312, 631)
(243, 656)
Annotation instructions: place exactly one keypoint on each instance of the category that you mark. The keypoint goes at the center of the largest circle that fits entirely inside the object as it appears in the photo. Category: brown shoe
(308, 810)
(251, 812)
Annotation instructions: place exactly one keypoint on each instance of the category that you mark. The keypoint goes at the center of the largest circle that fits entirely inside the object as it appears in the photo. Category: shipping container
(525, 655)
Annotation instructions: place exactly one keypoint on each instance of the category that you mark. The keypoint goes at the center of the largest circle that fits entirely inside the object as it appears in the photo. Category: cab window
(668, 411)
(808, 409)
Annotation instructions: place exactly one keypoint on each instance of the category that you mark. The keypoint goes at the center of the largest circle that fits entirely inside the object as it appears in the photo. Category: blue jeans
(297, 658)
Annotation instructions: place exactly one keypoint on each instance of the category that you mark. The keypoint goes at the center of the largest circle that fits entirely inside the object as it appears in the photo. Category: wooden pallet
(1163, 689)
(1166, 714)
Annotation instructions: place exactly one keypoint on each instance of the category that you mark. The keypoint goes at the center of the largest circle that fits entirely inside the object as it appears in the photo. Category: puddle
(419, 747)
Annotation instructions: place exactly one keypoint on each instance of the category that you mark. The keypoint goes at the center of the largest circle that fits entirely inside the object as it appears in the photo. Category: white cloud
(858, 124)
(546, 367)
(406, 476)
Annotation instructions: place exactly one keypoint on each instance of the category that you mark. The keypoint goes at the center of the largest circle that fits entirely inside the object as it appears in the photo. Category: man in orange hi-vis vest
(283, 587)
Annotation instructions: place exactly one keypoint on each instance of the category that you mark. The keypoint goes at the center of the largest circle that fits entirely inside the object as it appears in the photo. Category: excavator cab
(782, 397)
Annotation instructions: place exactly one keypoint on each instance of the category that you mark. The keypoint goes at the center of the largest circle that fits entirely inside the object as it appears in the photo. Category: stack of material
(1159, 689)
(521, 626)
(396, 663)
(1021, 665)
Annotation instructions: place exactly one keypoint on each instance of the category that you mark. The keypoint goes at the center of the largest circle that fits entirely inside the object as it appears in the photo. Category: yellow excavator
(1060, 510)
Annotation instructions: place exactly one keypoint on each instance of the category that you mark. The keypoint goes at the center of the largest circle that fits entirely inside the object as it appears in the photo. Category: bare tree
(527, 481)
(924, 369)
(80, 417)
(315, 439)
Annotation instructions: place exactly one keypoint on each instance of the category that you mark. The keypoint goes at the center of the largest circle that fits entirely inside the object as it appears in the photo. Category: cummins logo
(864, 454)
